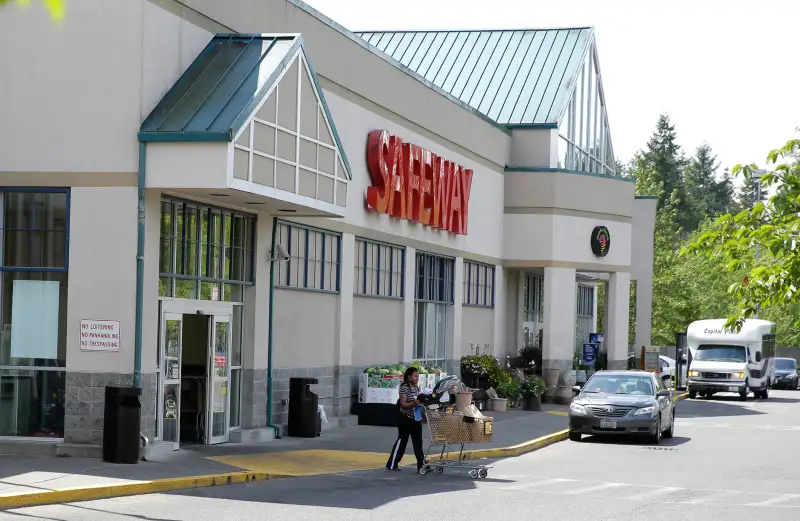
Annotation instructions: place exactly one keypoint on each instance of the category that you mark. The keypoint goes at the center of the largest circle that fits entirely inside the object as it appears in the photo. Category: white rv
(727, 362)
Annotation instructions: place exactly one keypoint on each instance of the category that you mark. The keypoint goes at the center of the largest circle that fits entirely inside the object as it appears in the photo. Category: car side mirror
(576, 389)
(758, 356)
(665, 393)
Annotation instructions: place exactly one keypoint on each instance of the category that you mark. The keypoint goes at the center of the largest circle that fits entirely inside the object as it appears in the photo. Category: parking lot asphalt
(729, 460)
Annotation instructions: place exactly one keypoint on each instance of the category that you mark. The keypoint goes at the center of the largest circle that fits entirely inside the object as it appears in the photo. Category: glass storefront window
(33, 311)
(32, 403)
(434, 296)
(206, 252)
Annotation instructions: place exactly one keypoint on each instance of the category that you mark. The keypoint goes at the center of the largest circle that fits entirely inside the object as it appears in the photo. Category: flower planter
(533, 403)
(499, 404)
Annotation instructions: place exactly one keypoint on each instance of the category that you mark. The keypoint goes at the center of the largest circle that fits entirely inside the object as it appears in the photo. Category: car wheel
(797, 385)
(692, 395)
(671, 431)
(575, 436)
(765, 393)
(743, 393)
(655, 439)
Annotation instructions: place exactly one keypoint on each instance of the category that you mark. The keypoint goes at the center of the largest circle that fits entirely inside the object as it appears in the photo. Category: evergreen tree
(723, 196)
(664, 156)
(700, 182)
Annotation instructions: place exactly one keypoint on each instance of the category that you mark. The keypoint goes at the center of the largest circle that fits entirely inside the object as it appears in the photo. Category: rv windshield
(717, 353)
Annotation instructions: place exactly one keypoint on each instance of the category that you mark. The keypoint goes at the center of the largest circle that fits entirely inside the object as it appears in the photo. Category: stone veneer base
(85, 405)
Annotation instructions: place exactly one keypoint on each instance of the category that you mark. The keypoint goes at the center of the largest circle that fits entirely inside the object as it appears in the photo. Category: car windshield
(620, 384)
(713, 353)
(786, 364)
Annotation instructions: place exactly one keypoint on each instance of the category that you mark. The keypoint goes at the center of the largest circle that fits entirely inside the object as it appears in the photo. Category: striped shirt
(410, 391)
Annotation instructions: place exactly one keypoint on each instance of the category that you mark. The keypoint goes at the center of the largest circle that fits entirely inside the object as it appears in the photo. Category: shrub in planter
(475, 369)
(508, 389)
(531, 391)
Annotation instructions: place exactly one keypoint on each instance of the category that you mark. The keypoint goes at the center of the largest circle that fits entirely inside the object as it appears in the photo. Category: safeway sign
(409, 182)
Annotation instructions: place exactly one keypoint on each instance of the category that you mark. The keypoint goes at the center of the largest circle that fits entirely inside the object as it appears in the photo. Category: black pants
(406, 427)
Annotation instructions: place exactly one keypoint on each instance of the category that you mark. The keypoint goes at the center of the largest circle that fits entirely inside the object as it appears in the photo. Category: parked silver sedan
(622, 403)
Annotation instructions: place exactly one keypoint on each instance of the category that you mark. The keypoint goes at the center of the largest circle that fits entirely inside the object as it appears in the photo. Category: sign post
(590, 352)
(650, 359)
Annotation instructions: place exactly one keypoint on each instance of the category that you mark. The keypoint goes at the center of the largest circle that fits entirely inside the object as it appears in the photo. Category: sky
(721, 69)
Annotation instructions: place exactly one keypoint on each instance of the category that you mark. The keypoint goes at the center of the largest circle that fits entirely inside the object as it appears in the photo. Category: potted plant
(531, 391)
(509, 395)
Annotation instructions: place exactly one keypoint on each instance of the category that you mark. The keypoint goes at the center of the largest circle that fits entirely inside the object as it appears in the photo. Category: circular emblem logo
(601, 241)
(609, 409)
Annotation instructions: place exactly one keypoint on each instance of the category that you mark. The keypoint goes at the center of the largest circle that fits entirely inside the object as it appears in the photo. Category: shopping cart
(449, 429)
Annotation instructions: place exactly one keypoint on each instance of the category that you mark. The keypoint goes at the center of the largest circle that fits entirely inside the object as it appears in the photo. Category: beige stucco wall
(102, 273)
(305, 325)
(484, 237)
(81, 88)
(377, 331)
(477, 327)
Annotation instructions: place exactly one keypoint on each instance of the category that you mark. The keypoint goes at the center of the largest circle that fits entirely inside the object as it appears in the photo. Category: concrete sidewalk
(35, 480)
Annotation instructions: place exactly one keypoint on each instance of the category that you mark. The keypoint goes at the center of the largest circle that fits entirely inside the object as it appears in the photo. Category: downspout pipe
(269, 324)
(137, 346)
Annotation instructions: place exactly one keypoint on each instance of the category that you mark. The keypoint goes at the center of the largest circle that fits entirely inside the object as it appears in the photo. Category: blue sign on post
(590, 352)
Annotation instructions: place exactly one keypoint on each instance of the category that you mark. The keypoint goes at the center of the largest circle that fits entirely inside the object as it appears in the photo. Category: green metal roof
(513, 77)
(220, 89)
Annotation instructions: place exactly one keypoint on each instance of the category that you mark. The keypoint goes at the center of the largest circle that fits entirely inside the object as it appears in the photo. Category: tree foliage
(759, 244)
(56, 8)
(693, 199)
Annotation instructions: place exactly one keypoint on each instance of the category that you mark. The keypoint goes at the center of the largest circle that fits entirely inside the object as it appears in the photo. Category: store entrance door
(193, 402)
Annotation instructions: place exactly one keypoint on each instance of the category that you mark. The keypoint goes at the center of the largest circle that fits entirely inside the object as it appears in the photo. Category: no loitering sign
(100, 335)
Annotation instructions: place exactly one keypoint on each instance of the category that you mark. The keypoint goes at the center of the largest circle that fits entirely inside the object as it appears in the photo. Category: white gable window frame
(244, 143)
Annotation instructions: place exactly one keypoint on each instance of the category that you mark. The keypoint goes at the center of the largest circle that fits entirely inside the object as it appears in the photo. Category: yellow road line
(132, 489)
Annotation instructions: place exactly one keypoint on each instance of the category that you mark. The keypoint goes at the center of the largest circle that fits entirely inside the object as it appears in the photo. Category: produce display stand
(378, 392)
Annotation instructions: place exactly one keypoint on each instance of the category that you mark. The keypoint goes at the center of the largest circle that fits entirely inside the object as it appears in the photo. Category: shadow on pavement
(360, 490)
(86, 509)
(636, 440)
(716, 407)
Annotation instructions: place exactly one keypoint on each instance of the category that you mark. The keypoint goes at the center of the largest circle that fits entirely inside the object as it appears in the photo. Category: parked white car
(667, 371)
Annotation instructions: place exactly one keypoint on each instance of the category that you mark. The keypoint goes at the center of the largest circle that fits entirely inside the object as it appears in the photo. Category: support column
(519, 337)
(644, 311)
(558, 340)
(453, 361)
(616, 335)
(409, 302)
(343, 385)
(500, 348)
(255, 343)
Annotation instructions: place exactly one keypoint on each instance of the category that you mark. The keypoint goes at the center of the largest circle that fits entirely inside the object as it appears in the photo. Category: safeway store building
(433, 191)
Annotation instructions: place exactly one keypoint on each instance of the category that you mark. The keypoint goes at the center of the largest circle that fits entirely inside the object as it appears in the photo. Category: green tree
(759, 244)
(664, 156)
(722, 196)
(56, 8)
(700, 181)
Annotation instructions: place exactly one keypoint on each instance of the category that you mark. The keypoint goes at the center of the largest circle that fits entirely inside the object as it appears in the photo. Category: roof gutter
(270, 335)
(137, 346)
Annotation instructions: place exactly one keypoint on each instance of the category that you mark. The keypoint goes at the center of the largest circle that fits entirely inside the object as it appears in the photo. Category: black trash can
(302, 408)
(121, 421)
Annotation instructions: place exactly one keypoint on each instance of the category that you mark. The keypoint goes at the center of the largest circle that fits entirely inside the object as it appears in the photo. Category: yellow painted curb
(681, 397)
(514, 450)
(132, 489)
